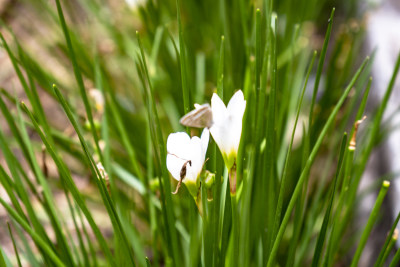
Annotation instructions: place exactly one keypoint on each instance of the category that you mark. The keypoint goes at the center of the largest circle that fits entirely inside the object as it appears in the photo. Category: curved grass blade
(322, 233)
(380, 260)
(182, 56)
(66, 176)
(49, 252)
(319, 72)
(14, 245)
(278, 212)
(110, 206)
(78, 77)
(160, 153)
(310, 160)
(371, 221)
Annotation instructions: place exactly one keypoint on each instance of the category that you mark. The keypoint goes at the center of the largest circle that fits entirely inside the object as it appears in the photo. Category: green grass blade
(380, 260)
(160, 152)
(14, 245)
(56, 260)
(114, 217)
(182, 56)
(371, 221)
(395, 259)
(321, 237)
(309, 162)
(283, 185)
(319, 70)
(64, 174)
(78, 76)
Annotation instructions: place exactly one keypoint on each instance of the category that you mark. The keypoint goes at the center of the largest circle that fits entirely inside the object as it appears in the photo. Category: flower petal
(205, 137)
(177, 144)
(218, 108)
(174, 166)
(227, 128)
(237, 105)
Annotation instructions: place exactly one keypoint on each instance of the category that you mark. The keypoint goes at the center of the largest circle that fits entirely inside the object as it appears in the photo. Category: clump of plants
(206, 133)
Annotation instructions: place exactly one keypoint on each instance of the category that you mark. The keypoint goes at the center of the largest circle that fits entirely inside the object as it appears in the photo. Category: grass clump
(287, 195)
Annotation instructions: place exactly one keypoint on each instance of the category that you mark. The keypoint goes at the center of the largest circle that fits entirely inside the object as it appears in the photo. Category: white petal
(174, 165)
(218, 109)
(186, 151)
(205, 137)
(177, 144)
(237, 105)
(228, 130)
(222, 135)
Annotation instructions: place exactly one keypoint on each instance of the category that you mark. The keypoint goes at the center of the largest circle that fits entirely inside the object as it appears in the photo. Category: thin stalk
(78, 77)
(14, 245)
(319, 72)
(370, 223)
(310, 160)
(278, 212)
(49, 252)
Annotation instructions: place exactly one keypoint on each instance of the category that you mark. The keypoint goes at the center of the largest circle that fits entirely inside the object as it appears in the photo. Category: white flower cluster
(186, 156)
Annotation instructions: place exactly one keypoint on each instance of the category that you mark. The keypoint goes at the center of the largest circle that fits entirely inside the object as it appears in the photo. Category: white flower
(186, 157)
(227, 125)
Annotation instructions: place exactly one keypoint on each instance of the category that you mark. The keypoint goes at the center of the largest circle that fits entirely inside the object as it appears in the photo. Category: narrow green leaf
(371, 221)
(78, 76)
(160, 153)
(14, 245)
(182, 56)
(309, 162)
(64, 174)
(322, 233)
(99, 180)
(380, 261)
(56, 260)
(283, 185)
(319, 72)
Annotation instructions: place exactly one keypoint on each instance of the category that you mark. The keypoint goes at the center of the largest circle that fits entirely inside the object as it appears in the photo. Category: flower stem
(235, 228)
(232, 179)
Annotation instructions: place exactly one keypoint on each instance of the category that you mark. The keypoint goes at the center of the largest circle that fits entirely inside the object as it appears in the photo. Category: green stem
(235, 234)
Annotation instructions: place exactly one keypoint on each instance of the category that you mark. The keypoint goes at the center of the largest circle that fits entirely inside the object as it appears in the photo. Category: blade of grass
(371, 221)
(64, 174)
(283, 185)
(322, 233)
(114, 217)
(375, 130)
(49, 202)
(182, 56)
(14, 245)
(56, 260)
(389, 238)
(309, 162)
(270, 160)
(395, 259)
(319, 73)
(389, 248)
(78, 77)
(160, 152)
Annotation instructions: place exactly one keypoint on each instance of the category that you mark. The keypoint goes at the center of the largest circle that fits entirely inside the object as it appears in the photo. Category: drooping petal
(174, 166)
(188, 153)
